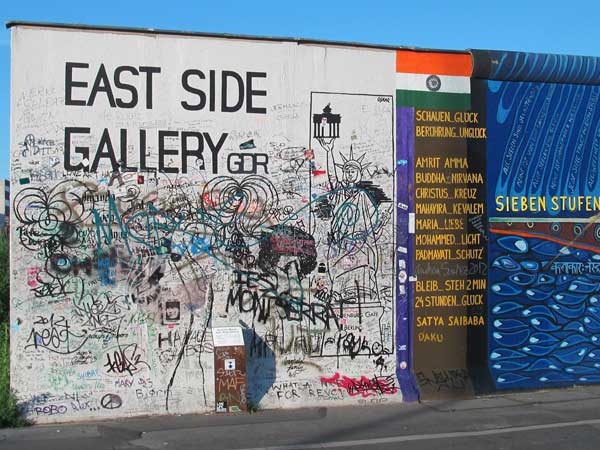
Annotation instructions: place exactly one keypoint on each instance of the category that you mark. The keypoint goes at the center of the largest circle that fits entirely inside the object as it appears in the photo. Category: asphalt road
(556, 419)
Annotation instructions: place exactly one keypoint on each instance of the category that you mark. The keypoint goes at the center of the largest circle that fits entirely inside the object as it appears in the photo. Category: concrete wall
(167, 185)
(351, 209)
(543, 197)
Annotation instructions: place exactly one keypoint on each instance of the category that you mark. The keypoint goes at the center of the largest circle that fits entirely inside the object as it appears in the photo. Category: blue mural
(544, 302)
(544, 249)
(522, 66)
(543, 142)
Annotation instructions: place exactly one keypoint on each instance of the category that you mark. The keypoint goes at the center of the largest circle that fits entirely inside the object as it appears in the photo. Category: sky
(524, 25)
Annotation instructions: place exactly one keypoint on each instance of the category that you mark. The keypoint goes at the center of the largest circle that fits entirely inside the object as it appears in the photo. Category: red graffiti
(293, 245)
(208, 201)
(32, 276)
(363, 386)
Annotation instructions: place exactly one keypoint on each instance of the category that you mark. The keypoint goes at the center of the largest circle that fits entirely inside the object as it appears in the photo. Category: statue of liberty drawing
(353, 206)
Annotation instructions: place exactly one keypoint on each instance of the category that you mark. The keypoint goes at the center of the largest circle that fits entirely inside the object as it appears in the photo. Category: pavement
(551, 419)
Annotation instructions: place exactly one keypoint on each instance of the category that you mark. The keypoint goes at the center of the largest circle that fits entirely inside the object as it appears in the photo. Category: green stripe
(433, 100)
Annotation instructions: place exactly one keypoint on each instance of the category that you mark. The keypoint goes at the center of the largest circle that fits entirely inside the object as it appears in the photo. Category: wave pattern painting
(543, 141)
(544, 312)
(519, 66)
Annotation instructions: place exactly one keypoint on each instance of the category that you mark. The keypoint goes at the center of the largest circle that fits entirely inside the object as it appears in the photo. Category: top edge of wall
(541, 67)
(498, 65)
(152, 31)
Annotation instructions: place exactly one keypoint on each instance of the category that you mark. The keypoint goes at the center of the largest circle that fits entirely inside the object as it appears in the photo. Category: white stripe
(418, 82)
(425, 437)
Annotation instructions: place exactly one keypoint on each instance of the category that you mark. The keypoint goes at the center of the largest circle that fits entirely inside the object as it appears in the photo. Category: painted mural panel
(448, 249)
(545, 67)
(543, 148)
(330, 201)
(167, 185)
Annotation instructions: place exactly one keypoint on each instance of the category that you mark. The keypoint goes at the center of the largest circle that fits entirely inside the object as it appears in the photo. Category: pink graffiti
(32, 273)
(364, 386)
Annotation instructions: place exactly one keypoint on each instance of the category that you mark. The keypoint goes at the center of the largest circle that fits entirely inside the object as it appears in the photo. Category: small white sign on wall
(227, 336)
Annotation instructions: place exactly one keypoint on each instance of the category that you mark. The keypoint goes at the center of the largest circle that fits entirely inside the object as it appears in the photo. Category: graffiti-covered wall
(372, 224)
(164, 186)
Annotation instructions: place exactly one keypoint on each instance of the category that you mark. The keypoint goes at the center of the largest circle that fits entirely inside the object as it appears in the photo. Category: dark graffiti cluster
(130, 271)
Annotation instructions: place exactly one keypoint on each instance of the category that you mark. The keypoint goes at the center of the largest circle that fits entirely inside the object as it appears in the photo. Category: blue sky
(525, 25)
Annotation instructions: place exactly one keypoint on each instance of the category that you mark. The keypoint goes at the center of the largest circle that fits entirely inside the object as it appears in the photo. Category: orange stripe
(564, 242)
(434, 63)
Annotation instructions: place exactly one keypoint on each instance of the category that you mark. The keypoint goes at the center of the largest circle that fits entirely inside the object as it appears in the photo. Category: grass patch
(4, 278)
(252, 407)
(9, 412)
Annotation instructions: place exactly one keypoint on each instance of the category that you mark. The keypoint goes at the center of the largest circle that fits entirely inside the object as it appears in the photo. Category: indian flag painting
(433, 80)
